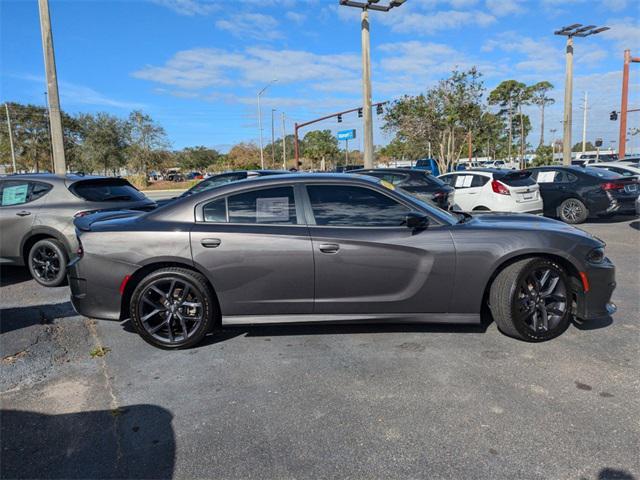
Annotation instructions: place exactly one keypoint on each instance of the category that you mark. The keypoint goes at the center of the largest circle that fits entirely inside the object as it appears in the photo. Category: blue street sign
(347, 134)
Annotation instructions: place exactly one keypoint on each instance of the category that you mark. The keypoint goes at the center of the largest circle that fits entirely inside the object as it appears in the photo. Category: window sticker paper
(275, 209)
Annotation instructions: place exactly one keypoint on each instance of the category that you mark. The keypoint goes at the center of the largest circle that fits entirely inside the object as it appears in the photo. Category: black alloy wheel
(47, 263)
(172, 308)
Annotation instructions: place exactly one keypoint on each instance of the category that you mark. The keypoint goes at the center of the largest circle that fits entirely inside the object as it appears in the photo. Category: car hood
(523, 221)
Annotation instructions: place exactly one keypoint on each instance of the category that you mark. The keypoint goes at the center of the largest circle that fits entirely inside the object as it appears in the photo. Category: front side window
(273, 206)
(353, 206)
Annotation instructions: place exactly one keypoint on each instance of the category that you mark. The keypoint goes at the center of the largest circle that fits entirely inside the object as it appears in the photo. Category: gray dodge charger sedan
(332, 248)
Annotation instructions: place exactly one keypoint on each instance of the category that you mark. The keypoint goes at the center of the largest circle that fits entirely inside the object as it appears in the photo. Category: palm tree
(539, 97)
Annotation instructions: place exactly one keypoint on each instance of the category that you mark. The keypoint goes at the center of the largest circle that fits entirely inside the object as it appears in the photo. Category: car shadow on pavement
(229, 332)
(597, 324)
(131, 442)
(10, 275)
(614, 219)
(635, 225)
(614, 474)
(23, 317)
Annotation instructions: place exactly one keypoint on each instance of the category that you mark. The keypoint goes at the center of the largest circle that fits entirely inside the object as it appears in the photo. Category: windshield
(443, 215)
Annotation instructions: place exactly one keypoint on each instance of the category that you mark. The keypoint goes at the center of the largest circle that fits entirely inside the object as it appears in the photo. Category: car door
(18, 208)
(367, 261)
(256, 249)
(467, 194)
(553, 188)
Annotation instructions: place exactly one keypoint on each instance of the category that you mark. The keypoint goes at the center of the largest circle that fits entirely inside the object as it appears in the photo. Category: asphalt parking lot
(391, 401)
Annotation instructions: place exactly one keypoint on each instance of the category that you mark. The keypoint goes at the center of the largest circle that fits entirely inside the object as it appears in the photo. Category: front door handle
(329, 247)
(210, 242)
(23, 213)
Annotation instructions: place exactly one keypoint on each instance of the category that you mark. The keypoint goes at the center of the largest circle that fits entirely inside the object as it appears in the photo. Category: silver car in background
(37, 213)
(332, 248)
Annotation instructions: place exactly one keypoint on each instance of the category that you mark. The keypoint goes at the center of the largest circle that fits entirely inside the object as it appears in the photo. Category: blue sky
(196, 65)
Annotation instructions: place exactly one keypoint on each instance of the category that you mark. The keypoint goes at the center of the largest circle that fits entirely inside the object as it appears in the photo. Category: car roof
(53, 177)
(404, 171)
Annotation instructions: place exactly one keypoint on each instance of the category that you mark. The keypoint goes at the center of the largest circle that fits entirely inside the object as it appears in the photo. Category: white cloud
(434, 22)
(296, 17)
(75, 94)
(624, 31)
(189, 7)
(501, 8)
(251, 25)
(206, 67)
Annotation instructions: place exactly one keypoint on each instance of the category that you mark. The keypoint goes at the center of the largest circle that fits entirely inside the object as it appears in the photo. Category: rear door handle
(329, 247)
(210, 242)
(23, 213)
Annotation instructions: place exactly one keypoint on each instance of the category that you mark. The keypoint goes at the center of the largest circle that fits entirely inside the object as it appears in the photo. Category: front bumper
(596, 302)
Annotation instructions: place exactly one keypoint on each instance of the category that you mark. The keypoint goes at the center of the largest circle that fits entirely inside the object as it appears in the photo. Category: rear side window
(106, 190)
(272, 206)
(15, 192)
(353, 206)
(479, 181)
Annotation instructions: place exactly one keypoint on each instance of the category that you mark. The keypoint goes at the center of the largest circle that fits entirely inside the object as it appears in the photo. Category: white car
(621, 168)
(495, 190)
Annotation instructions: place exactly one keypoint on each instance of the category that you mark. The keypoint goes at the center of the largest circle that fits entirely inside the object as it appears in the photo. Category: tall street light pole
(284, 144)
(260, 121)
(13, 152)
(55, 118)
(575, 30)
(273, 139)
(367, 120)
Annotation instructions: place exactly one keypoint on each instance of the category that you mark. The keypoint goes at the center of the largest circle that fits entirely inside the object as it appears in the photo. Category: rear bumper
(596, 303)
(96, 293)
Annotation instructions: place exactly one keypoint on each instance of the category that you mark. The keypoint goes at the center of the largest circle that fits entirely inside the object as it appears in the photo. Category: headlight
(596, 255)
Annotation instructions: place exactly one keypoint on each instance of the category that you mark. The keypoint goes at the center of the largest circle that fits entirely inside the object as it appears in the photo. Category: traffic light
(598, 142)
(339, 118)
(359, 113)
(613, 116)
(379, 109)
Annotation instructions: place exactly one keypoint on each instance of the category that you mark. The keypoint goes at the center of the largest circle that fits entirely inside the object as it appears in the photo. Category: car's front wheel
(530, 300)
(47, 262)
(172, 308)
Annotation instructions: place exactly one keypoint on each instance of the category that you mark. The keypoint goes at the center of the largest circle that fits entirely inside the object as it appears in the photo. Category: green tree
(320, 144)
(198, 158)
(511, 96)
(146, 139)
(588, 147)
(243, 155)
(104, 143)
(544, 156)
(442, 117)
(539, 96)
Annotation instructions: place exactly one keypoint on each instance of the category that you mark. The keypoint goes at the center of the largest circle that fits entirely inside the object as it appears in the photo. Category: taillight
(499, 188)
(84, 213)
(612, 186)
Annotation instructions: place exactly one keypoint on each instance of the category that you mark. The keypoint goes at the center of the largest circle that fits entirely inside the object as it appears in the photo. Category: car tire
(573, 211)
(47, 262)
(183, 304)
(530, 300)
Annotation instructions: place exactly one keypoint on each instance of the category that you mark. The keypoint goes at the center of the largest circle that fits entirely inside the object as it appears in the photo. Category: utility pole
(55, 118)
(366, 69)
(273, 139)
(622, 145)
(284, 144)
(13, 152)
(575, 30)
(260, 122)
(584, 123)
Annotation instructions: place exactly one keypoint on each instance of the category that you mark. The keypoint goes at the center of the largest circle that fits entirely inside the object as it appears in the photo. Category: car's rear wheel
(530, 300)
(172, 308)
(47, 262)
(573, 211)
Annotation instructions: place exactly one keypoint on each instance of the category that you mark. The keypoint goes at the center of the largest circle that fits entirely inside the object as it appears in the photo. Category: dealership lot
(388, 401)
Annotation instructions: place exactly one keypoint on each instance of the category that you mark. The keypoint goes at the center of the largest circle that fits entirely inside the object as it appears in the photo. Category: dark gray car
(332, 248)
(37, 213)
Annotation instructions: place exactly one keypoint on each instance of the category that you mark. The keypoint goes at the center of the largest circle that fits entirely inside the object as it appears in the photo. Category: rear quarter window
(106, 190)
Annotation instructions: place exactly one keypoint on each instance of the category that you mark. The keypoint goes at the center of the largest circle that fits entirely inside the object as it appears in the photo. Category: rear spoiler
(84, 223)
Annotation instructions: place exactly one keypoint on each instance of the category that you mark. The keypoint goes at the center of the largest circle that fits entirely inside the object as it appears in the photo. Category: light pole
(13, 152)
(273, 139)
(260, 121)
(575, 30)
(284, 144)
(367, 130)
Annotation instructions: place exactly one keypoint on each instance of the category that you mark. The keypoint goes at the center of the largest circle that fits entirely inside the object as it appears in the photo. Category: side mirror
(416, 221)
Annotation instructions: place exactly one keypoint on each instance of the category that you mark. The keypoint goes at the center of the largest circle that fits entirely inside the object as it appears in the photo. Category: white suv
(494, 190)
